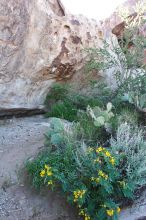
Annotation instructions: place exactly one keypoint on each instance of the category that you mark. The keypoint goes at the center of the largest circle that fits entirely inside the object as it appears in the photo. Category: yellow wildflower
(97, 180)
(81, 212)
(112, 161)
(118, 210)
(87, 217)
(107, 153)
(102, 174)
(99, 149)
(110, 212)
(42, 173)
(49, 173)
(50, 182)
(46, 167)
(78, 194)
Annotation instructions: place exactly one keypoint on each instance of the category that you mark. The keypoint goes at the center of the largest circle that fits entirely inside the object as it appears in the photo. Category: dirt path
(19, 140)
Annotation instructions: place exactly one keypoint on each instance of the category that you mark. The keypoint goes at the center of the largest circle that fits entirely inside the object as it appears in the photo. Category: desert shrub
(130, 83)
(87, 175)
(129, 116)
(129, 74)
(131, 149)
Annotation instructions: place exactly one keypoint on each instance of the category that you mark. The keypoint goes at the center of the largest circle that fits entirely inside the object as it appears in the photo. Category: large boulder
(40, 43)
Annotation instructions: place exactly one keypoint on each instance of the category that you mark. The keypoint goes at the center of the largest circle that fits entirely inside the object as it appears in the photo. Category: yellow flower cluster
(112, 161)
(118, 210)
(78, 194)
(97, 180)
(100, 149)
(82, 213)
(42, 173)
(107, 154)
(110, 212)
(100, 174)
(46, 171)
(49, 170)
(103, 175)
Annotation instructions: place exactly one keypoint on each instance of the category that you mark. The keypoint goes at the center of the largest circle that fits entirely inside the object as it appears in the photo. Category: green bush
(63, 102)
(65, 110)
(57, 92)
(87, 175)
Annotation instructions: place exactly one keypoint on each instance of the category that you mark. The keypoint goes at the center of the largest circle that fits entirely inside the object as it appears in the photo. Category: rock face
(114, 20)
(39, 43)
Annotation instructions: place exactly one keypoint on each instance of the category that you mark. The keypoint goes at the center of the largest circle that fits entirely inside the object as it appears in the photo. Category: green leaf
(99, 121)
(57, 124)
(56, 139)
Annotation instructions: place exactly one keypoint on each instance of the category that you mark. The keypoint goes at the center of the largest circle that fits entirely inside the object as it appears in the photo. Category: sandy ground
(21, 139)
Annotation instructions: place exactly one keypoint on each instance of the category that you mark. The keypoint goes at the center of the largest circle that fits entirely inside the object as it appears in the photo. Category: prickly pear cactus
(101, 117)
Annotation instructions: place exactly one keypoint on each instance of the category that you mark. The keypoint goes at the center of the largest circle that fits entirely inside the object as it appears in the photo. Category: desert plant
(100, 117)
(127, 115)
(57, 92)
(131, 148)
(129, 74)
(63, 102)
(88, 176)
(88, 132)
(63, 109)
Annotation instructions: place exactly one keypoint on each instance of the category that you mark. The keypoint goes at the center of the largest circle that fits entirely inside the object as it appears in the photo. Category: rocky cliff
(39, 43)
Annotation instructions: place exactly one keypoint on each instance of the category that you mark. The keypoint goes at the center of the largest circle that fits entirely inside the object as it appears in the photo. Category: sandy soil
(21, 139)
